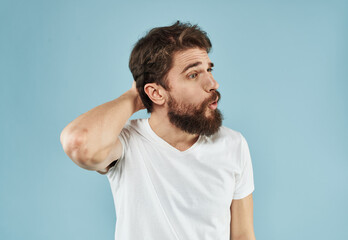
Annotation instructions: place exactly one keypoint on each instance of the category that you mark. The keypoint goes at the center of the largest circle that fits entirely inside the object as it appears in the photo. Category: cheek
(193, 98)
(190, 95)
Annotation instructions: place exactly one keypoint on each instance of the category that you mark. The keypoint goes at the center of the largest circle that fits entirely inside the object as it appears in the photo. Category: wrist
(133, 97)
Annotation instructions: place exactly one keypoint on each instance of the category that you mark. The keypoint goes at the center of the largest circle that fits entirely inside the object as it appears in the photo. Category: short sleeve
(245, 180)
(124, 139)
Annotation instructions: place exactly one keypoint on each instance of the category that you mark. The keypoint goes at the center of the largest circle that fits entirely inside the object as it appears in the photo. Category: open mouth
(213, 105)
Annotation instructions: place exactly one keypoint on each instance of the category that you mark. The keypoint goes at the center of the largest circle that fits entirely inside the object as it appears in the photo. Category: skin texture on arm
(91, 140)
(242, 227)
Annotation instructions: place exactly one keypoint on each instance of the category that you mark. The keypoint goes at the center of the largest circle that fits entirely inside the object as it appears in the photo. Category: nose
(211, 84)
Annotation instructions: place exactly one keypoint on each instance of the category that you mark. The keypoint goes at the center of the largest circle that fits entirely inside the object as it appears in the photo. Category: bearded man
(179, 174)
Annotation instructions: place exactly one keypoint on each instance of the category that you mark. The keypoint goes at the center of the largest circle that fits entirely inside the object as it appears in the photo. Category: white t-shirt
(161, 193)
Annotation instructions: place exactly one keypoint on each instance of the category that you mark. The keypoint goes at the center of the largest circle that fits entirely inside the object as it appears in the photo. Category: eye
(193, 75)
(210, 69)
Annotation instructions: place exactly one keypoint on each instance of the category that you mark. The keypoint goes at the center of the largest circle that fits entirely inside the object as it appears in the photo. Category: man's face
(192, 99)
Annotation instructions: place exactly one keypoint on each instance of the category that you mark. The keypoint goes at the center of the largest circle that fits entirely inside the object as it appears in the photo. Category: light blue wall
(282, 69)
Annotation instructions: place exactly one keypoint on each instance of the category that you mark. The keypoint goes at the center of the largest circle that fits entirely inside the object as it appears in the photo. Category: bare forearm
(250, 235)
(247, 237)
(90, 136)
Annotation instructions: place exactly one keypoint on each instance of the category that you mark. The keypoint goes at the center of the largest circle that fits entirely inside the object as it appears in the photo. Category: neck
(160, 124)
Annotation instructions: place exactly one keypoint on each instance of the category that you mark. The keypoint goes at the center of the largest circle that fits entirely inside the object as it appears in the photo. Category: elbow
(74, 146)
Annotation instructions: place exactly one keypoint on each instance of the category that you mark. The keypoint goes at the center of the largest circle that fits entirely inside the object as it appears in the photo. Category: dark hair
(151, 57)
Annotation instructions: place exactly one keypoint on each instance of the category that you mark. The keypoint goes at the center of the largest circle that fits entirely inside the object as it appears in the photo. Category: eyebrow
(195, 65)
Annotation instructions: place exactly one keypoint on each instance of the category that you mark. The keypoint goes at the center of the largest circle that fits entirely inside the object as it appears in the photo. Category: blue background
(282, 70)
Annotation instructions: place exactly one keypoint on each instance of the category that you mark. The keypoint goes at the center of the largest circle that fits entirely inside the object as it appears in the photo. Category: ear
(156, 93)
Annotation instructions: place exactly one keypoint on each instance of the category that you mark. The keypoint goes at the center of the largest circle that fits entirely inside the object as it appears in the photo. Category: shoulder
(133, 129)
(135, 124)
(227, 134)
(225, 139)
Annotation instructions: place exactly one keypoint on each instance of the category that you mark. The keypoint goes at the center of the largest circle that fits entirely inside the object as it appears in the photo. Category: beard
(193, 119)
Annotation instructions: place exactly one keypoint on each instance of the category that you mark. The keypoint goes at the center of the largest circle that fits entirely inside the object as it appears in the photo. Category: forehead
(182, 58)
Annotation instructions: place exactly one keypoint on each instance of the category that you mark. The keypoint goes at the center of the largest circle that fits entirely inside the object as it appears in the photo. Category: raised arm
(91, 140)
